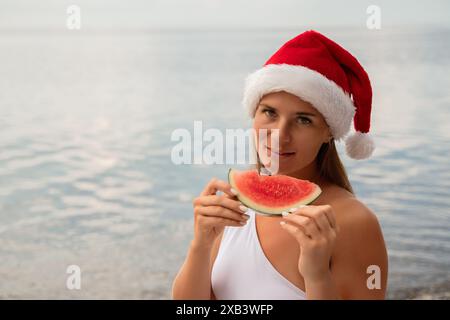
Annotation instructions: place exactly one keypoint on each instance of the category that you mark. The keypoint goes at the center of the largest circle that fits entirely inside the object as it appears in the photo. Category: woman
(310, 90)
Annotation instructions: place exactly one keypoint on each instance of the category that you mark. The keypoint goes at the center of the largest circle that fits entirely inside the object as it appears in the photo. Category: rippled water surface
(86, 176)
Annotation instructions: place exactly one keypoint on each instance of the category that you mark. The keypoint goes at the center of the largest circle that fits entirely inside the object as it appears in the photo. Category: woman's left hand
(315, 229)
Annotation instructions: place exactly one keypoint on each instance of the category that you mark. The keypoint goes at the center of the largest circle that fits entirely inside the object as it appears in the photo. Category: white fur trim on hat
(359, 145)
(325, 95)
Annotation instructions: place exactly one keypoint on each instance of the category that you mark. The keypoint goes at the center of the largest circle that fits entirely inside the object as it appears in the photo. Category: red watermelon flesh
(272, 194)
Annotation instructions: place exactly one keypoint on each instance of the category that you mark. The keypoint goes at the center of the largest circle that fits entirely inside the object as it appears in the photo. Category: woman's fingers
(221, 212)
(307, 224)
(212, 221)
(332, 219)
(320, 219)
(297, 231)
(322, 215)
(215, 185)
(223, 201)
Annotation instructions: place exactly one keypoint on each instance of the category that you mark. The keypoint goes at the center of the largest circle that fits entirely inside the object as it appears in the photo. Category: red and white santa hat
(321, 72)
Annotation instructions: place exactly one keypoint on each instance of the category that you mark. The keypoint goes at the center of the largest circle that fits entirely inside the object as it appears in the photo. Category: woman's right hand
(213, 212)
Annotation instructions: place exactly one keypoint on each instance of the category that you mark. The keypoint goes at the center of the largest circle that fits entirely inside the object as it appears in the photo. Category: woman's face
(302, 131)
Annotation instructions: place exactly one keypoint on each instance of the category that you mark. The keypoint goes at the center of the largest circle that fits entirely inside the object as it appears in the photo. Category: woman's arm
(194, 272)
(212, 213)
(193, 281)
(360, 263)
(342, 256)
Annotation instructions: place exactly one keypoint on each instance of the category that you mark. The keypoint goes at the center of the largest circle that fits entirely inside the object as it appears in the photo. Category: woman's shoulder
(354, 218)
(349, 210)
(333, 194)
(359, 228)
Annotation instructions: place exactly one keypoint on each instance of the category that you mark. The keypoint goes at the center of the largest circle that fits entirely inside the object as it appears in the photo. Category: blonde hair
(330, 166)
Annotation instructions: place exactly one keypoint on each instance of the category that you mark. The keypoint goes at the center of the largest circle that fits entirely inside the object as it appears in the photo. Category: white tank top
(241, 270)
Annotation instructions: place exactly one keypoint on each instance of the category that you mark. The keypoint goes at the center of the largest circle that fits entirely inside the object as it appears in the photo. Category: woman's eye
(304, 120)
(269, 113)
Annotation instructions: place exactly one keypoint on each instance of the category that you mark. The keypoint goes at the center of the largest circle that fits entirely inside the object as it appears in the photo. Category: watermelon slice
(272, 194)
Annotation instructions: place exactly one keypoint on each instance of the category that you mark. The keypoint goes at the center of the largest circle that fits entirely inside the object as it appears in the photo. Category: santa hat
(321, 72)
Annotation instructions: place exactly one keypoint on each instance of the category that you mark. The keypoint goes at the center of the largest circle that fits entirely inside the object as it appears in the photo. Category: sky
(24, 14)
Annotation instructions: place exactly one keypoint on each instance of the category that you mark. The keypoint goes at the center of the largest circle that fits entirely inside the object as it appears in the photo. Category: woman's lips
(281, 154)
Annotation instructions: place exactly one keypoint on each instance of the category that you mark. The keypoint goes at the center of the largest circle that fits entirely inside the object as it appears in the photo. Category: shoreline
(439, 291)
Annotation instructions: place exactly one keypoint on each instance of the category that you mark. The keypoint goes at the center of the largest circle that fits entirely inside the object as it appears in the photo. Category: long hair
(329, 165)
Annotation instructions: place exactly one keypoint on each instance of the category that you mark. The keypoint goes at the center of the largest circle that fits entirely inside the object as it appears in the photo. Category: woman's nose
(283, 131)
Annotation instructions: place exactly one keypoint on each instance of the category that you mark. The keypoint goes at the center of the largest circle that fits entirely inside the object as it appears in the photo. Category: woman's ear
(328, 137)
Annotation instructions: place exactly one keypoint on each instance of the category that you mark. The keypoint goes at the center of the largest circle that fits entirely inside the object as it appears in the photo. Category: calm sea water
(86, 176)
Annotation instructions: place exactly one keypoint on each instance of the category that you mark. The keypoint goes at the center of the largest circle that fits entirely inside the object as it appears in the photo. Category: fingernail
(299, 207)
(284, 213)
(243, 222)
(233, 191)
(243, 208)
(282, 222)
(245, 216)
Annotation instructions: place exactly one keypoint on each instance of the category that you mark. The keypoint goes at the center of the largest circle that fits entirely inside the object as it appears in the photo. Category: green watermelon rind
(268, 210)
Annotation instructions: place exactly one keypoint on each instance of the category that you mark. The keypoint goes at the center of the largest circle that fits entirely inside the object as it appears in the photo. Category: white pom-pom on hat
(359, 145)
